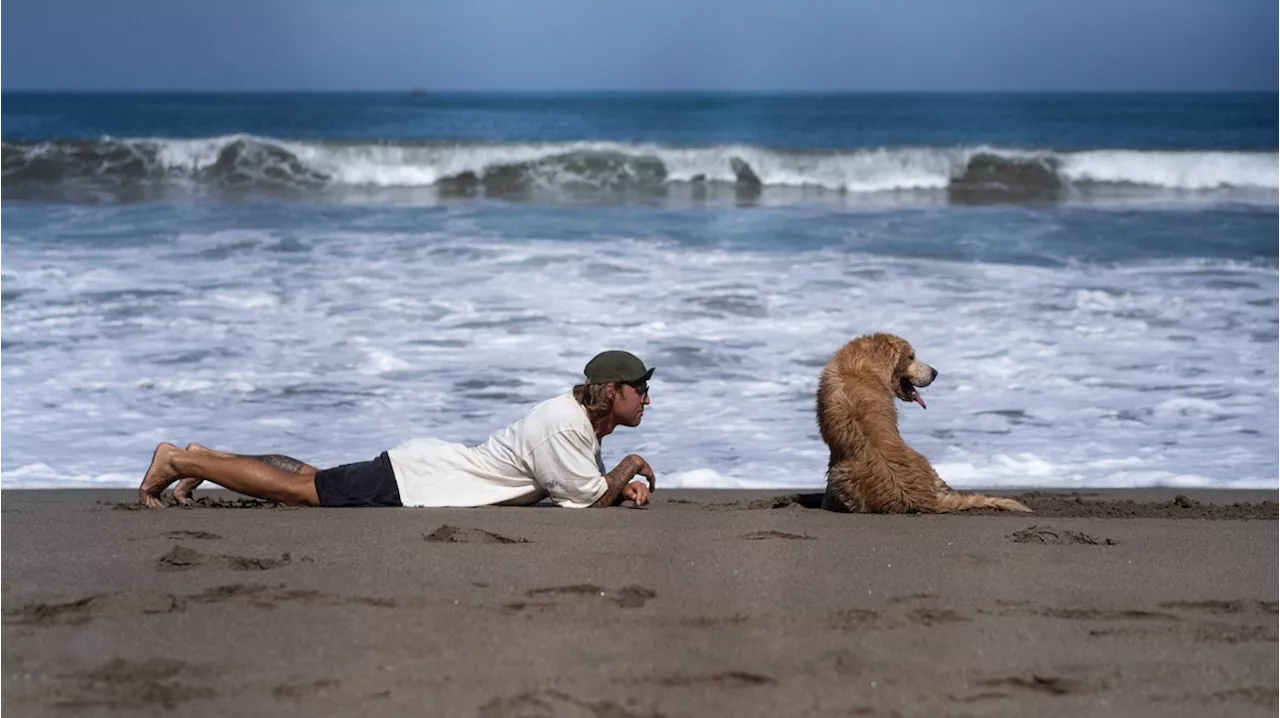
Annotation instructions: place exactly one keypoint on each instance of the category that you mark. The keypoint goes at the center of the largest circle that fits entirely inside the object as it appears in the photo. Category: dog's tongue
(918, 399)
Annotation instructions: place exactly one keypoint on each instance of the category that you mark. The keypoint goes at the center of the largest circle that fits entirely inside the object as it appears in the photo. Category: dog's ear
(895, 350)
(880, 354)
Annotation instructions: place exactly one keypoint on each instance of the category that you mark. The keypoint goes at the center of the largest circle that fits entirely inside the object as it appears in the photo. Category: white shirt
(553, 451)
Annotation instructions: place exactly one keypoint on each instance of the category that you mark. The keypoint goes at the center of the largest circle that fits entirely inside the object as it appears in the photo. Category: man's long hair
(592, 397)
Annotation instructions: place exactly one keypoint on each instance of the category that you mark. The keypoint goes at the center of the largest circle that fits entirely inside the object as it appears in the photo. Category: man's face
(629, 401)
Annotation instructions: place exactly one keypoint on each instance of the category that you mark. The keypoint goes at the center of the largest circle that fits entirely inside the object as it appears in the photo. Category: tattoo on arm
(618, 479)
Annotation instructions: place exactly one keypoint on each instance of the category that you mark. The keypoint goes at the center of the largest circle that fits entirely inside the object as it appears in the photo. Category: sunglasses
(641, 387)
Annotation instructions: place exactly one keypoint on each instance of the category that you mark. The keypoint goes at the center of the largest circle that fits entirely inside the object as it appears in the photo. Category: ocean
(326, 275)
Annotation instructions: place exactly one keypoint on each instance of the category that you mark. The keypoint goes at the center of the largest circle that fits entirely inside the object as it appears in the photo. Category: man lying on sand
(553, 451)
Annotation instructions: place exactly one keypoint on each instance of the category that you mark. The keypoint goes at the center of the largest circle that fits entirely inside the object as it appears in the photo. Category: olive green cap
(616, 366)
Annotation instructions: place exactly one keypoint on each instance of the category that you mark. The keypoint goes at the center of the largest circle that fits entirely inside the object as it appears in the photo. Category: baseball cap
(616, 366)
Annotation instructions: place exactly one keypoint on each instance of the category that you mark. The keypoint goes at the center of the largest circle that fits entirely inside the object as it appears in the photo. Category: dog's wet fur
(872, 469)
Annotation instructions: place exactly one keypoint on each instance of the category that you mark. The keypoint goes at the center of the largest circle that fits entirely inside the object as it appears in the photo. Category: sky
(625, 45)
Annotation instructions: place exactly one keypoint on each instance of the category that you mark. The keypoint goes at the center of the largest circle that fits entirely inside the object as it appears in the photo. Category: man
(554, 451)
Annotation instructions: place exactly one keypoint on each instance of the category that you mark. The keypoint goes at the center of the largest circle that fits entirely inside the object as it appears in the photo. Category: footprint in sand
(304, 595)
(1226, 633)
(728, 679)
(304, 690)
(1207, 606)
(626, 597)
(125, 684)
(935, 616)
(1075, 505)
(1199, 632)
(1096, 614)
(230, 592)
(1223, 607)
(912, 597)
(272, 596)
(453, 534)
(1050, 535)
(181, 558)
(75, 613)
(127, 606)
(783, 501)
(198, 535)
(1050, 685)
(557, 703)
(762, 535)
(737, 619)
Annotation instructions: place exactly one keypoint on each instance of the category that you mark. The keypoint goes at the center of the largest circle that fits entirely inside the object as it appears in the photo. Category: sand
(708, 603)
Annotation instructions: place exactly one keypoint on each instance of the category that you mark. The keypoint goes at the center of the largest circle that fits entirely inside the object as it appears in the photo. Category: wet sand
(708, 603)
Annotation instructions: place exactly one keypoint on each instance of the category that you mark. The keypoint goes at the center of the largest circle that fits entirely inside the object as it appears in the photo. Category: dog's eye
(911, 357)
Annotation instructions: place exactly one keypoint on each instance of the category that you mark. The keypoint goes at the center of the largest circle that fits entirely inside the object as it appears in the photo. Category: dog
(872, 469)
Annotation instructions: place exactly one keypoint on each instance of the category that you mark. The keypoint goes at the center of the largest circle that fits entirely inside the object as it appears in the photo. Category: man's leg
(182, 492)
(242, 475)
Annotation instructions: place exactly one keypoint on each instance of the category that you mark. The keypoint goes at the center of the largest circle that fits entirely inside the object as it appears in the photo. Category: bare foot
(202, 449)
(182, 492)
(158, 477)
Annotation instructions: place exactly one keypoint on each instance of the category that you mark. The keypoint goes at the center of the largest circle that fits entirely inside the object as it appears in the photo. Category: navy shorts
(367, 483)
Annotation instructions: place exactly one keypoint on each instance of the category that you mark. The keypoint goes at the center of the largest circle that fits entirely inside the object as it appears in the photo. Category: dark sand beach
(1102, 603)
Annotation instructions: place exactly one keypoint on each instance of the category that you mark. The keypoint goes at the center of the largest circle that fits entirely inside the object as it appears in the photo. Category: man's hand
(619, 482)
(636, 491)
(646, 471)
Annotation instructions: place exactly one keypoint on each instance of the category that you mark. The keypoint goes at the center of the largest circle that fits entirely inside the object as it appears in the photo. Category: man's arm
(622, 475)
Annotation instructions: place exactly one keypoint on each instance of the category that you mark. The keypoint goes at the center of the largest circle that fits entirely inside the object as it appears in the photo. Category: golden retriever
(872, 469)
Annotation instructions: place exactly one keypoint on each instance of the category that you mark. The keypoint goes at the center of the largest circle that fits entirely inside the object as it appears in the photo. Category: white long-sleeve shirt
(553, 451)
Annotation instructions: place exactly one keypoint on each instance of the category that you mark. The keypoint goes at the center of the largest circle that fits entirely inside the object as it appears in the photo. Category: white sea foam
(873, 170)
(273, 161)
(372, 330)
(1176, 170)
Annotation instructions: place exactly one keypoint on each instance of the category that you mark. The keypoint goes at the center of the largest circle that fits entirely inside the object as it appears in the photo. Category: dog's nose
(933, 373)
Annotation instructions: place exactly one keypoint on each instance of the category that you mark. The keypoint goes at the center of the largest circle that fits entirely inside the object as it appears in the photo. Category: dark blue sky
(835, 45)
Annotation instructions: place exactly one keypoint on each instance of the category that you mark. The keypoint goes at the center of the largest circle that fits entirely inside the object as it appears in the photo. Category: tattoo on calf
(280, 461)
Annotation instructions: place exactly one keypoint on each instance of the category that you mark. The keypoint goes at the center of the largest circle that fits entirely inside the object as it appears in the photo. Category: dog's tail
(957, 501)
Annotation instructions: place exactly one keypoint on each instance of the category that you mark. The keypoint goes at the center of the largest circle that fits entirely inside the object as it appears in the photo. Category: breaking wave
(245, 162)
